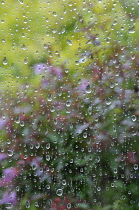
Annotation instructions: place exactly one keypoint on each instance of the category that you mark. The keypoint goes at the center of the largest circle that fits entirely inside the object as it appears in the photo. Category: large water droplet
(59, 192)
(133, 117)
(10, 153)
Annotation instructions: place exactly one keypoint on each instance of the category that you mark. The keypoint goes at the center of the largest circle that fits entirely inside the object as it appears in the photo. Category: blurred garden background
(69, 104)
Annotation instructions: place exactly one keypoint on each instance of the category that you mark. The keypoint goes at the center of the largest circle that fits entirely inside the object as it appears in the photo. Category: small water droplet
(52, 109)
(133, 117)
(21, 1)
(69, 42)
(27, 204)
(17, 120)
(68, 103)
(37, 145)
(85, 135)
(5, 61)
(22, 124)
(64, 182)
(47, 157)
(136, 166)
(49, 98)
(88, 89)
(10, 153)
(25, 61)
(108, 101)
(59, 192)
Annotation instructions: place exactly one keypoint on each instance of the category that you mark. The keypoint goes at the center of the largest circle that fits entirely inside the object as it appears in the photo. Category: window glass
(69, 104)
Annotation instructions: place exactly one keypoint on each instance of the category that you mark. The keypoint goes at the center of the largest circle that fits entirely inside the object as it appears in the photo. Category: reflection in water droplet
(59, 192)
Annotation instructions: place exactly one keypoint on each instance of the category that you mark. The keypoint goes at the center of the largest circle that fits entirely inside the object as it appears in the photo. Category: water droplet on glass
(47, 157)
(48, 146)
(68, 103)
(27, 204)
(64, 182)
(133, 117)
(69, 42)
(88, 89)
(5, 61)
(59, 192)
(10, 153)
(49, 98)
(37, 145)
(136, 166)
(17, 120)
(85, 135)
(52, 109)
(108, 101)
(21, 1)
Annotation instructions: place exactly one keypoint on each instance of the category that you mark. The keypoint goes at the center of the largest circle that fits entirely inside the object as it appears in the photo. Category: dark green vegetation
(70, 106)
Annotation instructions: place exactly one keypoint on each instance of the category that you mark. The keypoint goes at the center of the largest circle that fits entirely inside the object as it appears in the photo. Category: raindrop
(59, 192)
(64, 182)
(22, 124)
(47, 157)
(21, 1)
(25, 61)
(17, 120)
(133, 117)
(136, 166)
(5, 61)
(49, 98)
(27, 204)
(10, 153)
(85, 135)
(37, 145)
(88, 89)
(52, 109)
(48, 146)
(108, 101)
(69, 206)
(69, 42)
(68, 103)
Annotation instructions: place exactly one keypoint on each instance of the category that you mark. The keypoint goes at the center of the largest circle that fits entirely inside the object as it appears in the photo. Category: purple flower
(9, 198)
(2, 156)
(57, 71)
(8, 175)
(40, 68)
(2, 122)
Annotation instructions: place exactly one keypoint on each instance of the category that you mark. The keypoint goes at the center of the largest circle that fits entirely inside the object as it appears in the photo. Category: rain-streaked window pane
(69, 104)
